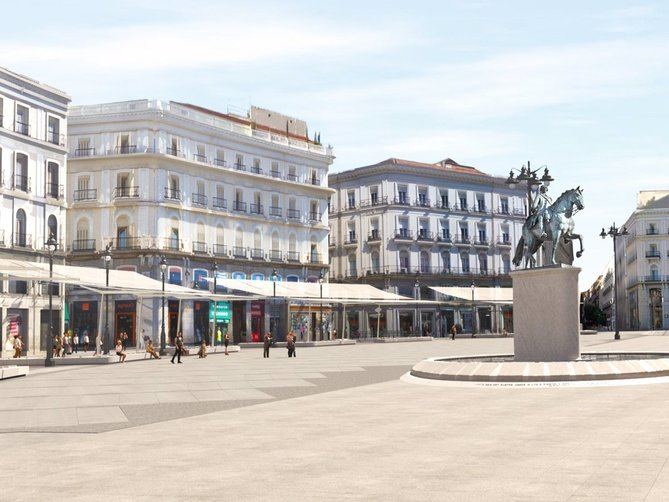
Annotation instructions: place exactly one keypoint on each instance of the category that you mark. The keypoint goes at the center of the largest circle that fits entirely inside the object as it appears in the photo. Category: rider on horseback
(537, 219)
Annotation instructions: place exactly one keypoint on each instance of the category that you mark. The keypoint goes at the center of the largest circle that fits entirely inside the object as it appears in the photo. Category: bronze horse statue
(551, 223)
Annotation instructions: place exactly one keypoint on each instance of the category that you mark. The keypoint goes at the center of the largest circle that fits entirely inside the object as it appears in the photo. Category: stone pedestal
(546, 314)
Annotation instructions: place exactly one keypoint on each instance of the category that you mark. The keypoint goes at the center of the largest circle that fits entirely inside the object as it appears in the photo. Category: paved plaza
(336, 423)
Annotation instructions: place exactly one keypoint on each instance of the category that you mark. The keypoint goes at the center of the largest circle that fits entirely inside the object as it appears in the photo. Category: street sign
(223, 312)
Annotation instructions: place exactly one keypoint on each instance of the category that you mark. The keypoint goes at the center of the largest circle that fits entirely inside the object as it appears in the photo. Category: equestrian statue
(554, 222)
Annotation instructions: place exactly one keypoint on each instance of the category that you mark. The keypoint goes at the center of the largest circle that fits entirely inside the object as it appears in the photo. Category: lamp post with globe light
(614, 232)
(163, 268)
(51, 245)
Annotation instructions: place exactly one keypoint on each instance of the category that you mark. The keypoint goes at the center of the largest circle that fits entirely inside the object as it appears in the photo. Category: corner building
(642, 264)
(404, 226)
(247, 193)
(33, 129)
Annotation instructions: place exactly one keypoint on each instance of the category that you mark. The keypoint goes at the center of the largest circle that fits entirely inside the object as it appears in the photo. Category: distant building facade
(403, 226)
(245, 193)
(33, 131)
(642, 264)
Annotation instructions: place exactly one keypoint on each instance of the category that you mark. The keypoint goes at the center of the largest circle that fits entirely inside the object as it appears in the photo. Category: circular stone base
(503, 368)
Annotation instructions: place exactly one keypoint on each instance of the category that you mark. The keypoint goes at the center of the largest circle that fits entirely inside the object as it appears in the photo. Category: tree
(593, 315)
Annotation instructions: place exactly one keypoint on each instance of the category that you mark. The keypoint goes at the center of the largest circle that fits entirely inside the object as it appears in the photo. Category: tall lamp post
(525, 173)
(106, 256)
(213, 338)
(473, 286)
(614, 232)
(163, 268)
(51, 246)
(320, 282)
(416, 294)
(274, 277)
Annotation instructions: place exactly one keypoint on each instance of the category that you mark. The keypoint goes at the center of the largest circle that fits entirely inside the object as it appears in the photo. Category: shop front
(220, 316)
(377, 322)
(406, 322)
(172, 320)
(17, 325)
(44, 326)
(257, 320)
(84, 319)
(507, 315)
(125, 312)
(201, 321)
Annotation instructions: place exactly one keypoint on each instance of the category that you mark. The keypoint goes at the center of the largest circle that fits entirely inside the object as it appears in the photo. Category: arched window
(52, 187)
(376, 262)
(314, 255)
(446, 261)
(52, 227)
(654, 273)
(483, 263)
(292, 243)
(200, 232)
(404, 261)
(20, 237)
(21, 181)
(424, 262)
(173, 240)
(257, 277)
(123, 238)
(200, 279)
(352, 266)
(257, 239)
(506, 264)
(238, 275)
(275, 241)
(464, 260)
(292, 278)
(239, 237)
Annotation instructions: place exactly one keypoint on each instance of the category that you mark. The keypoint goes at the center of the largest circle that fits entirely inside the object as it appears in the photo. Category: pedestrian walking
(178, 347)
(290, 344)
(75, 343)
(86, 340)
(267, 342)
(202, 353)
(226, 342)
(63, 344)
(120, 352)
(18, 346)
(454, 331)
(56, 346)
(150, 350)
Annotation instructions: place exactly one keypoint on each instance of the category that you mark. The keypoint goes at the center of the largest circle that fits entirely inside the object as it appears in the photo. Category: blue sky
(579, 86)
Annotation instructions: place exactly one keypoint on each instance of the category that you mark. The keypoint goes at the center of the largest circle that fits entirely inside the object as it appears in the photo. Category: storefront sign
(223, 312)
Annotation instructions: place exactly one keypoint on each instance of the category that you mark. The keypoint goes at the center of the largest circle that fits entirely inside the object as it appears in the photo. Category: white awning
(92, 278)
(482, 294)
(309, 291)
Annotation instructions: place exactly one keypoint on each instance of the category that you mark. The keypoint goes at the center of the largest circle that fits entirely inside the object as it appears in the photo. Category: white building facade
(642, 264)
(33, 129)
(245, 193)
(404, 226)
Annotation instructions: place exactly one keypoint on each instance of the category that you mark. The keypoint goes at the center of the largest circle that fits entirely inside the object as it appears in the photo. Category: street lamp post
(473, 286)
(163, 268)
(214, 334)
(613, 233)
(416, 294)
(320, 282)
(107, 258)
(274, 277)
(51, 245)
(532, 179)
